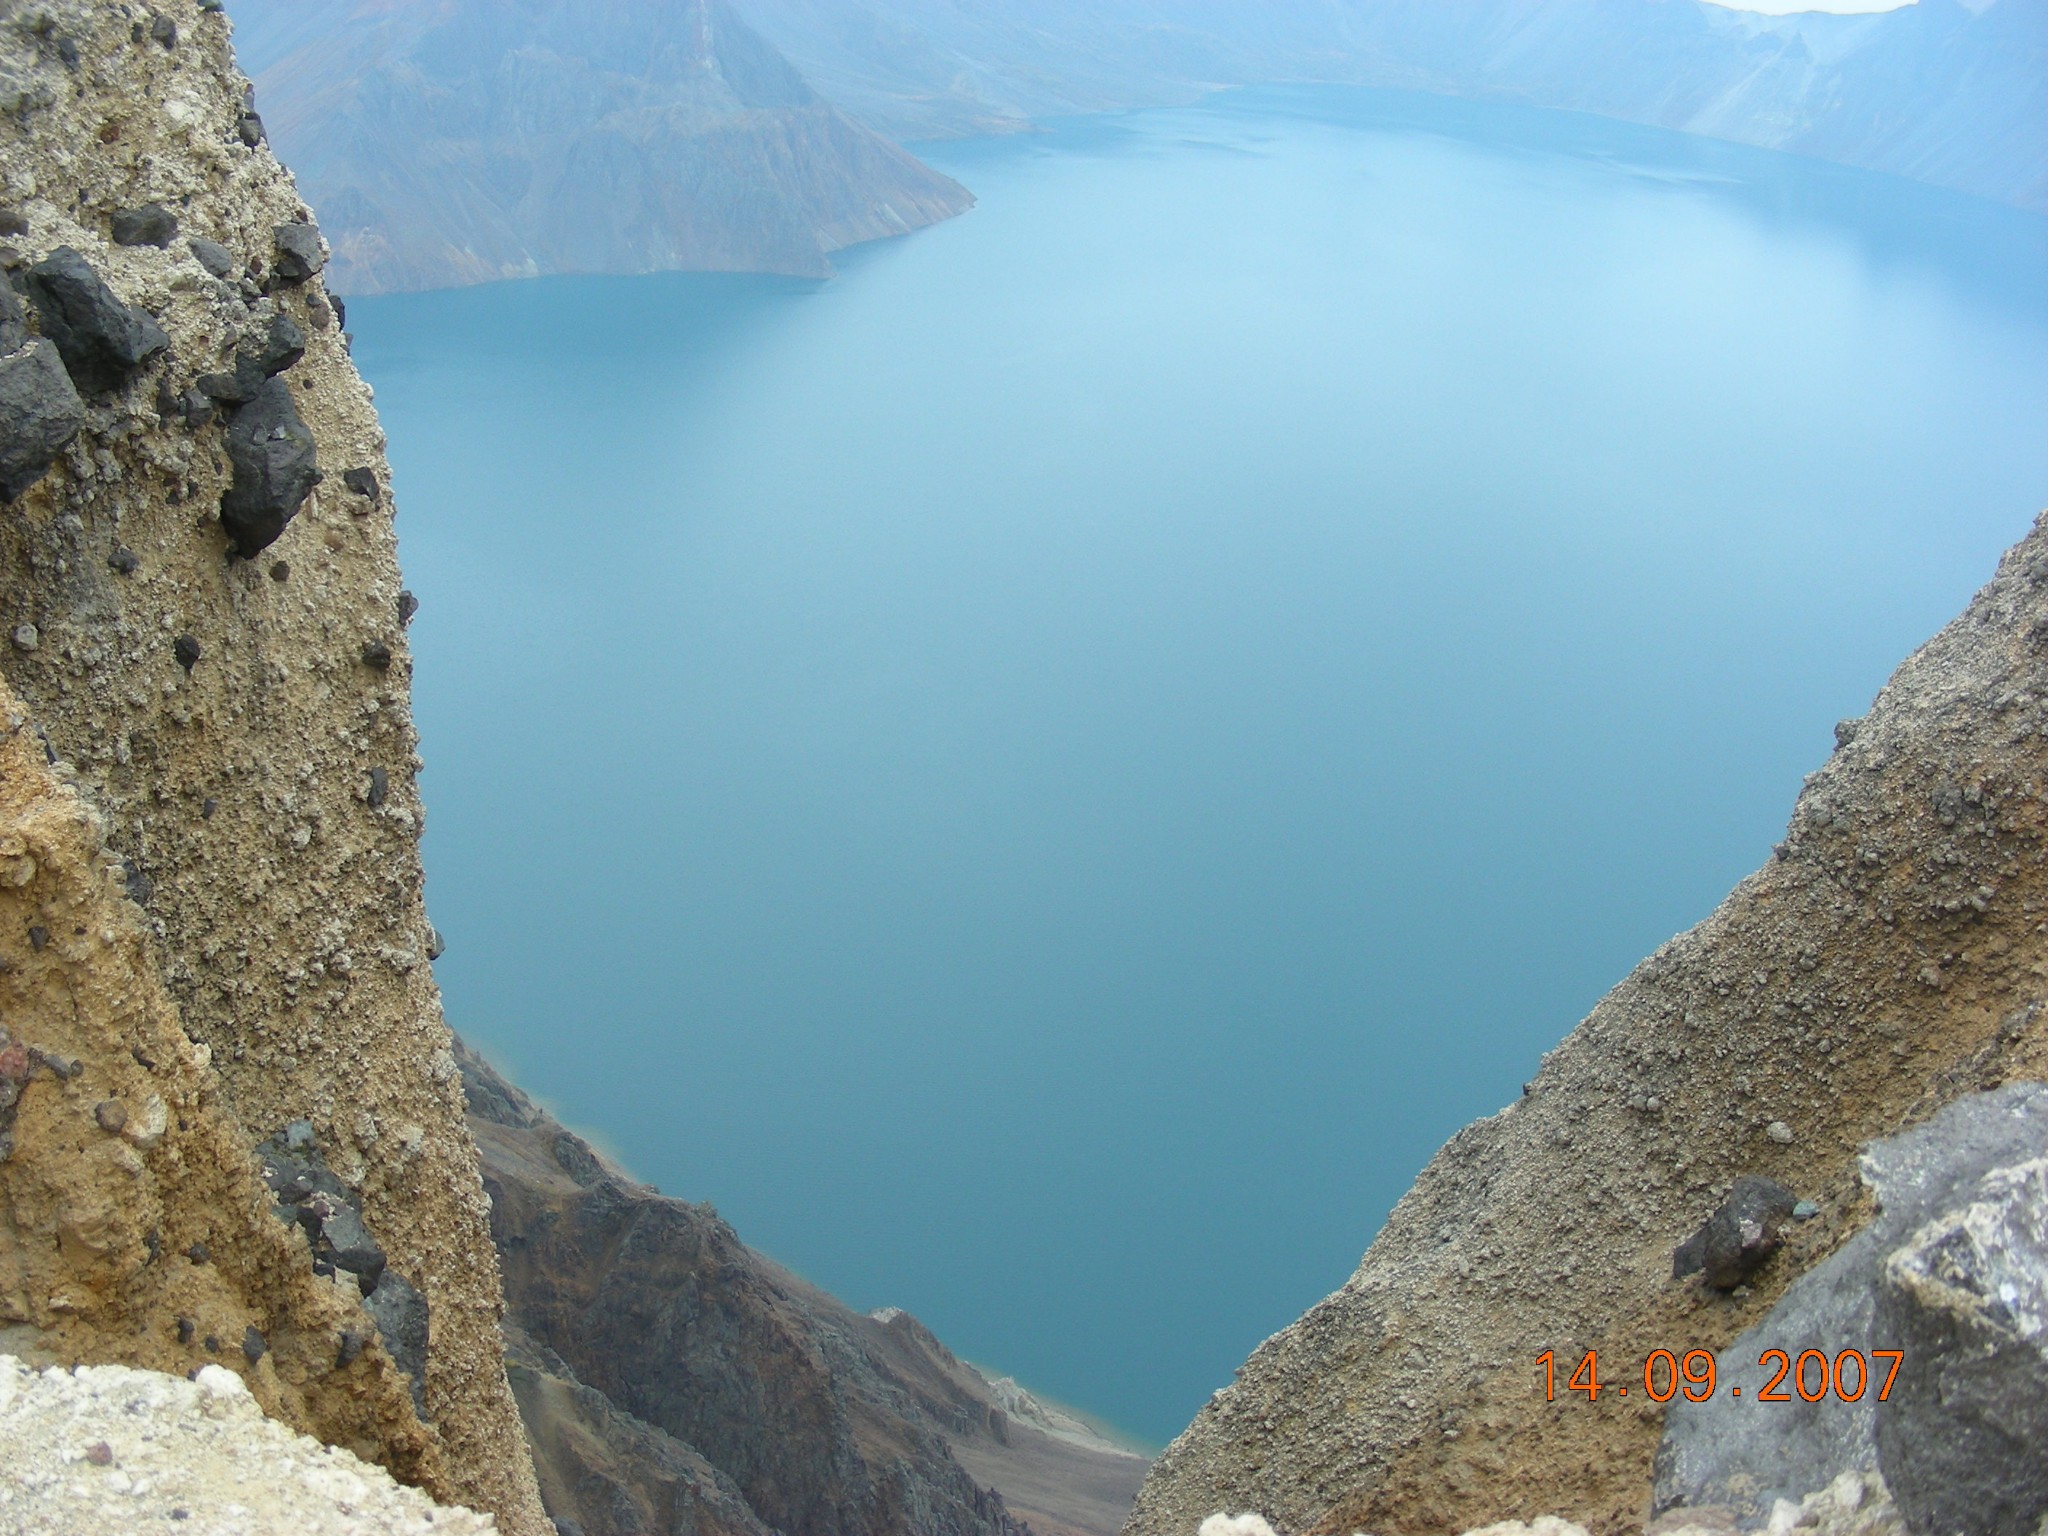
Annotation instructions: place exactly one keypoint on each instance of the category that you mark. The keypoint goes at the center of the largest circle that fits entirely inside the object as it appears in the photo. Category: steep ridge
(1887, 961)
(662, 1363)
(467, 140)
(1946, 92)
(206, 627)
(132, 1223)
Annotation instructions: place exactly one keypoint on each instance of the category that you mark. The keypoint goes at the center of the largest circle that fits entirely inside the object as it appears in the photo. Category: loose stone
(300, 252)
(186, 649)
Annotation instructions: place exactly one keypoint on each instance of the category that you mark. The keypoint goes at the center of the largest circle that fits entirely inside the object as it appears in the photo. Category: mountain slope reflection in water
(1046, 774)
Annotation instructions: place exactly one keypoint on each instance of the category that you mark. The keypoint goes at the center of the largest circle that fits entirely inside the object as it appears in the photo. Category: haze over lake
(1044, 775)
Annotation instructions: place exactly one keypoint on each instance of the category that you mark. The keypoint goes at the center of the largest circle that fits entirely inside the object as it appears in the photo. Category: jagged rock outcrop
(483, 139)
(605, 1473)
(663, 1364)
(1886, 961)
(241, 730)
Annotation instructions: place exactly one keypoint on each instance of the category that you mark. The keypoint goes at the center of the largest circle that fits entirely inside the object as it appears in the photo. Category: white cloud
(1833, 7)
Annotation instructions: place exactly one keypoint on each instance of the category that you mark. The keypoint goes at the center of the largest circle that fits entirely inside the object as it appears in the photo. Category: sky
(1837, 7)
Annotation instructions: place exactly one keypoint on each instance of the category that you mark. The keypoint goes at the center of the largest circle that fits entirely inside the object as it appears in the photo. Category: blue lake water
(1045, 775)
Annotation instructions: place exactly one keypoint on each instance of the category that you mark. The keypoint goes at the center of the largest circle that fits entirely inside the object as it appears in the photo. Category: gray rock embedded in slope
(1740, 1237)
(1723, 1452)
(103, 341)
(276, 466)
(1963, 1440)
(151, 224)
(263, 355)
(40, 413)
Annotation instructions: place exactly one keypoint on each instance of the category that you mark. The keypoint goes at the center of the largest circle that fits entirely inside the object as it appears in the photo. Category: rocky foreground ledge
(105, 1448)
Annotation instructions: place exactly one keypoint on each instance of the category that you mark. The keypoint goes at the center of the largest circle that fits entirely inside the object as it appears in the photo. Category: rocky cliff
(1887, 961)
(212, 933)
(674, 1379)
(467, 140)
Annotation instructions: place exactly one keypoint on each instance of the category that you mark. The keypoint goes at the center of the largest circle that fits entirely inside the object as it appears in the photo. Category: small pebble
(100, 1454)
(279, 571)
(1779, 1132)
(199, 1253)
(186, 649)
(111, 1114)
(26, 638)
(377, 654)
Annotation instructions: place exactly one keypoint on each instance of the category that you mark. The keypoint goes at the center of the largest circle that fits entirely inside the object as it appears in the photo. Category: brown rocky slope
(1883, 963)
(674, 1379)
(239, 726)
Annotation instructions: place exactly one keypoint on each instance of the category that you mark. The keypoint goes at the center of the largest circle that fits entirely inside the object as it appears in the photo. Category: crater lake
(1044, 775)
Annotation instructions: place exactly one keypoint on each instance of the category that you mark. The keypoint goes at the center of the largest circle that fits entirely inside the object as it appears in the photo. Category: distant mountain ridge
(462, 141)
(1952, 92)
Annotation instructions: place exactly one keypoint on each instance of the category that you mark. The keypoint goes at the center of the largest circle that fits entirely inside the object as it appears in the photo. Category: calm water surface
(1045, 775)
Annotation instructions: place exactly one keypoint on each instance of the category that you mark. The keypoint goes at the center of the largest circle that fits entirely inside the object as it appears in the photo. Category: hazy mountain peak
(462, 141)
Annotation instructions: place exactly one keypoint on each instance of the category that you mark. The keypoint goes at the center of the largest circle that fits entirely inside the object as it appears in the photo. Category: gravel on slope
(105, 1448)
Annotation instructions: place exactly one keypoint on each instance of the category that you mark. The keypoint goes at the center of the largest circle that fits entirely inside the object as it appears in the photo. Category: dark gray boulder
(151, 224)
(103, 341)
(1745, 1455)
(400, 1313)
(300, 252)
(276, 466)
(40, 413)
(1962, 1440)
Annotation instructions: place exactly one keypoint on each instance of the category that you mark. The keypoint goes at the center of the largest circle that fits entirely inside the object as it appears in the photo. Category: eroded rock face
(657, 1345)
(604, 1472)
(132, 1225)
(216, 712)
(1885, 961)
